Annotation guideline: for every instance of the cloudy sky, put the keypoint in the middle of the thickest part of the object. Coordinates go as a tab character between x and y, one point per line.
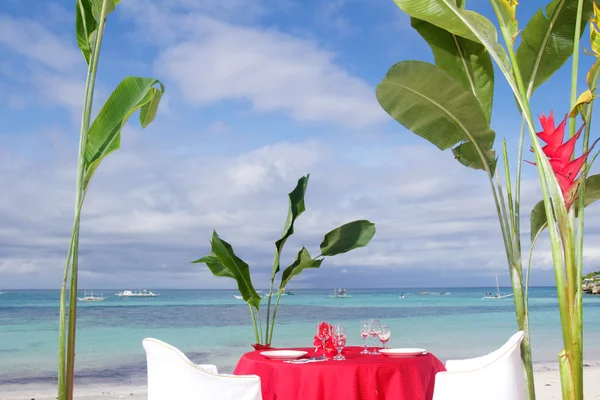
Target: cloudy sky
259	93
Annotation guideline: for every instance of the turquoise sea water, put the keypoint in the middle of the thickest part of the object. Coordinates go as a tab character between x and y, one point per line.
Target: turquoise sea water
211	326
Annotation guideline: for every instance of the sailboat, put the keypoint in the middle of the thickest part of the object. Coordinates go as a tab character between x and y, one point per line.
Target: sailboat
498	295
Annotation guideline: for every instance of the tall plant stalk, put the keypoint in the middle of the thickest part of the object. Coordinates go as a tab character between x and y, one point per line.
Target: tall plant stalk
440	92
67	359
97	139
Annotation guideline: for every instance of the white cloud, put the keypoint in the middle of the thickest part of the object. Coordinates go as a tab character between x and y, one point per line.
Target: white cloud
212	61
150	211
30	39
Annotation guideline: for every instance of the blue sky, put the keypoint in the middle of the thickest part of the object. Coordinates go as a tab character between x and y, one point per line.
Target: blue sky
259	93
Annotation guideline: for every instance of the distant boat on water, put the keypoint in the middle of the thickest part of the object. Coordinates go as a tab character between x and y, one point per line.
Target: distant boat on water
136	293
339	294
498	295
402	296
260	293
91	297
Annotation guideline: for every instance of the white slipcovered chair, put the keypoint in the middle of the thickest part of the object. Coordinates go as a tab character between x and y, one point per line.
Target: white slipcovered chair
172	376
499	375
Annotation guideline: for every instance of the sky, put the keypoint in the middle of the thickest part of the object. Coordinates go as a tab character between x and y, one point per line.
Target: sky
258	94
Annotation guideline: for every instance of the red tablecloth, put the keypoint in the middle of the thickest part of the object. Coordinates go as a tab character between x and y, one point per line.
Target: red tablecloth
359	377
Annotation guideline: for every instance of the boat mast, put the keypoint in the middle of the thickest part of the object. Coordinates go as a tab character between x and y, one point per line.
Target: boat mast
497	286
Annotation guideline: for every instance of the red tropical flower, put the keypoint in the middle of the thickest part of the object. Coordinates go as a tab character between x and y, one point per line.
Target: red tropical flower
560	154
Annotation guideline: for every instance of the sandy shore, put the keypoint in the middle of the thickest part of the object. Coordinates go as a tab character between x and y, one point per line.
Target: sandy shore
547	387
547	381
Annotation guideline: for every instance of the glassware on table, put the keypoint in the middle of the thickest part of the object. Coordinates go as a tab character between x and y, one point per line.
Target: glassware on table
323	334
374	330
339	342
364	333
384	335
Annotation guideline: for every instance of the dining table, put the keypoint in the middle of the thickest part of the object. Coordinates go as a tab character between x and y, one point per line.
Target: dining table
358	377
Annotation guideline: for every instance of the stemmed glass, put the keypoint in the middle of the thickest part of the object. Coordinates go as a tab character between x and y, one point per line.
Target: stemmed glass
384	335
374	330
364	333
323	333
339	341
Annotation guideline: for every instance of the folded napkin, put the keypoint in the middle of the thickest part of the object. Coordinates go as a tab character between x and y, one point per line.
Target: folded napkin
329	349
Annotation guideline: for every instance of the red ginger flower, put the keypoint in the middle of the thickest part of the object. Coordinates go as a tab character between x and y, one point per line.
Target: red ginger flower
559	155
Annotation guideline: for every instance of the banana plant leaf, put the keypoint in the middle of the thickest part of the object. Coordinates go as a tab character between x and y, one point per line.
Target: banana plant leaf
432	104
467	61
547	40
215	266
347	237
539	222
85	27
296	207
104	136
223	262
303	261
449	16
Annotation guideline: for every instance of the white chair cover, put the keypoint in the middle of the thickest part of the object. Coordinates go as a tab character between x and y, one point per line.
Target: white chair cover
499	375
172	376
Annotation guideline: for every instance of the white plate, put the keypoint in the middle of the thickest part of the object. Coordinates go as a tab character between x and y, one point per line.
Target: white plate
402	353
283	354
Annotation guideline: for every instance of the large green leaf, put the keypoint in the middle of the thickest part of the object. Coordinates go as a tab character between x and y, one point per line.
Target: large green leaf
303	261
296	207
538	221
215	266
347	237
85	27
104	136
467	61
547	41
432	104
450	17
224	262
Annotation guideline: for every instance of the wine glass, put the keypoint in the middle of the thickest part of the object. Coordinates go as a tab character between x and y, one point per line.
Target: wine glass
324	333
384	335
339	342
374	329
364	333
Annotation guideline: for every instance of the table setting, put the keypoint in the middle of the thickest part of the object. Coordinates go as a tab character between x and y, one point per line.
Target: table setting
333	370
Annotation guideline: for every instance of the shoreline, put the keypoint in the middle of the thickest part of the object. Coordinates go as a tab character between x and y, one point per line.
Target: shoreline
547	386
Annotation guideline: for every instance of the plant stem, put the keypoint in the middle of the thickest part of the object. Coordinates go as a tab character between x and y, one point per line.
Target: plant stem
270	338
578	317
575	65
269	305
67	390
254	323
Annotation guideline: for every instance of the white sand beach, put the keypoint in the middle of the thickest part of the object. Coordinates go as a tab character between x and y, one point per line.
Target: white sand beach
547	385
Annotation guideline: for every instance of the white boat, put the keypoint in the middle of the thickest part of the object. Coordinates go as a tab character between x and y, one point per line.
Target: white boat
136	293
339	294
498	295
402	296
91	297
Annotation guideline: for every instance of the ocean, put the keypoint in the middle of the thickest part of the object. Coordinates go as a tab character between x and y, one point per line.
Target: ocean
211	326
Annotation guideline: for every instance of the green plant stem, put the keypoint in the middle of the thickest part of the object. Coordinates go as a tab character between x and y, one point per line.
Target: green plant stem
509	194
580	220
270	338
260	325
577	235
575	67
269	306
67	392
254	323
518	184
